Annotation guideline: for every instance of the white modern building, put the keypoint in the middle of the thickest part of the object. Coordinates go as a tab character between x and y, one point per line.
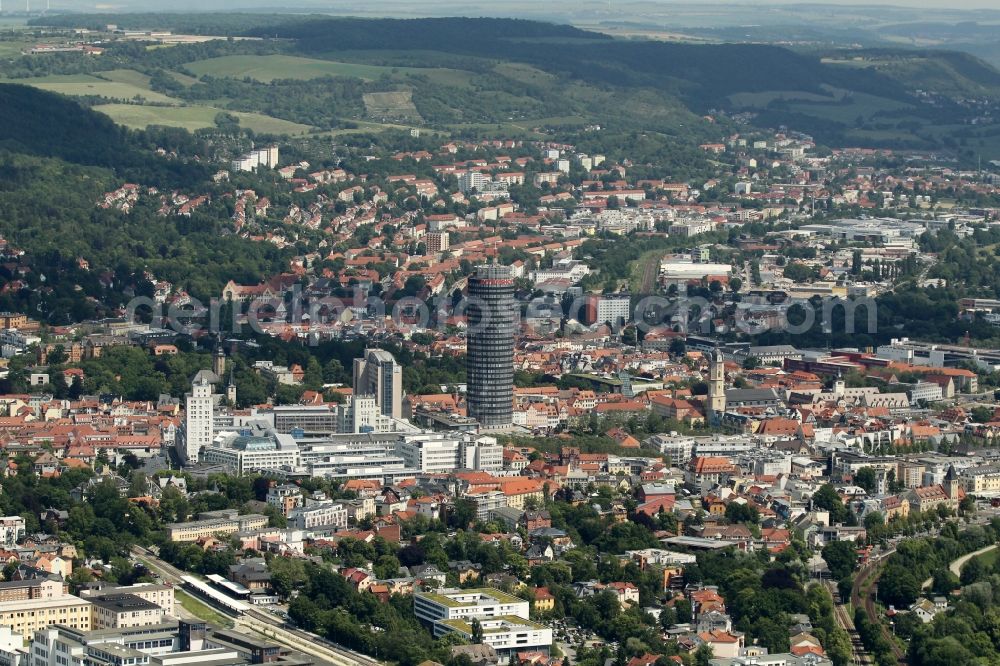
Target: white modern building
472	180
614	308
11	530
161	595
455	604
679	448
309	419
674	271
326	514
507	635
378	374
564	269
265	157
257	448
433	452
361	413
198	430
501	616
369	455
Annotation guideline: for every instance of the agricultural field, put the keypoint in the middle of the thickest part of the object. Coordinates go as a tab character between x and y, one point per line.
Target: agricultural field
119	85
760	100
525	73
365	127
268	68
391	105
194	117
12	47
951	74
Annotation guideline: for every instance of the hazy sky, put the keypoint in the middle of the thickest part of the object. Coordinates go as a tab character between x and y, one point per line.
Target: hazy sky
499	4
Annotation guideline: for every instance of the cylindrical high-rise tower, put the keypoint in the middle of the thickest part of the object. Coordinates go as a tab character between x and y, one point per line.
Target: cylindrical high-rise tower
490	355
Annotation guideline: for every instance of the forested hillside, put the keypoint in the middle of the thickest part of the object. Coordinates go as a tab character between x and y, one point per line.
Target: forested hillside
56	160
466	75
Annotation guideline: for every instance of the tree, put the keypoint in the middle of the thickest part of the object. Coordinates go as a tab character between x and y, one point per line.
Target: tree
874	519
973	571
826	498
840	557
737	512
866	478
798	272
751	363
981	414
898	585
477	631
944	582
57	356
463	513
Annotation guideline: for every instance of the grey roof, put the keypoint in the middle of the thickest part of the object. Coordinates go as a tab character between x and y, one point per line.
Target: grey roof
206	375
751	395
772	349
123	603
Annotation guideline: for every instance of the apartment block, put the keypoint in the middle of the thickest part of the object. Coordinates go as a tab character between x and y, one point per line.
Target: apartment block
216	523
28	616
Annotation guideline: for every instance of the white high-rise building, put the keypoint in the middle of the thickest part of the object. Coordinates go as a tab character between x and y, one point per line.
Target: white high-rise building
482	453
472	180
271	159
614	308
377	374
199	429
264	157
361	414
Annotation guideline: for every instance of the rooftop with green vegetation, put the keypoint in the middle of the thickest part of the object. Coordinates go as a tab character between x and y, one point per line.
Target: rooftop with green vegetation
448	597
503	623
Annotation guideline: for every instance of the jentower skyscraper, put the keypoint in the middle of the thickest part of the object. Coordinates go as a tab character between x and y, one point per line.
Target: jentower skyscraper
490	357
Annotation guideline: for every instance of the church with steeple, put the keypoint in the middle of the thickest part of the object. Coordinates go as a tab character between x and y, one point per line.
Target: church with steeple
715	402
949	493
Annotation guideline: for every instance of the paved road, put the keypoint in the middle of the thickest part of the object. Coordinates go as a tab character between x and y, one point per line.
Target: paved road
263	623
956	566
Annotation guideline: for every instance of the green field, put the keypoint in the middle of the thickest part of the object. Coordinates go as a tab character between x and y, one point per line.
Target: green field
365	127
271	67
645	271
989	559
525	73
183	79
760	100
10	48
391	104
194	117
129	85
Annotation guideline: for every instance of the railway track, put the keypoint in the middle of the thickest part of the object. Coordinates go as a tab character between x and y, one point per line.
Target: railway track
859	656
263	623
867	577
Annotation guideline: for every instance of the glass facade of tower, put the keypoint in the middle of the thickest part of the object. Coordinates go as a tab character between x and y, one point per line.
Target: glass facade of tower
492	317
